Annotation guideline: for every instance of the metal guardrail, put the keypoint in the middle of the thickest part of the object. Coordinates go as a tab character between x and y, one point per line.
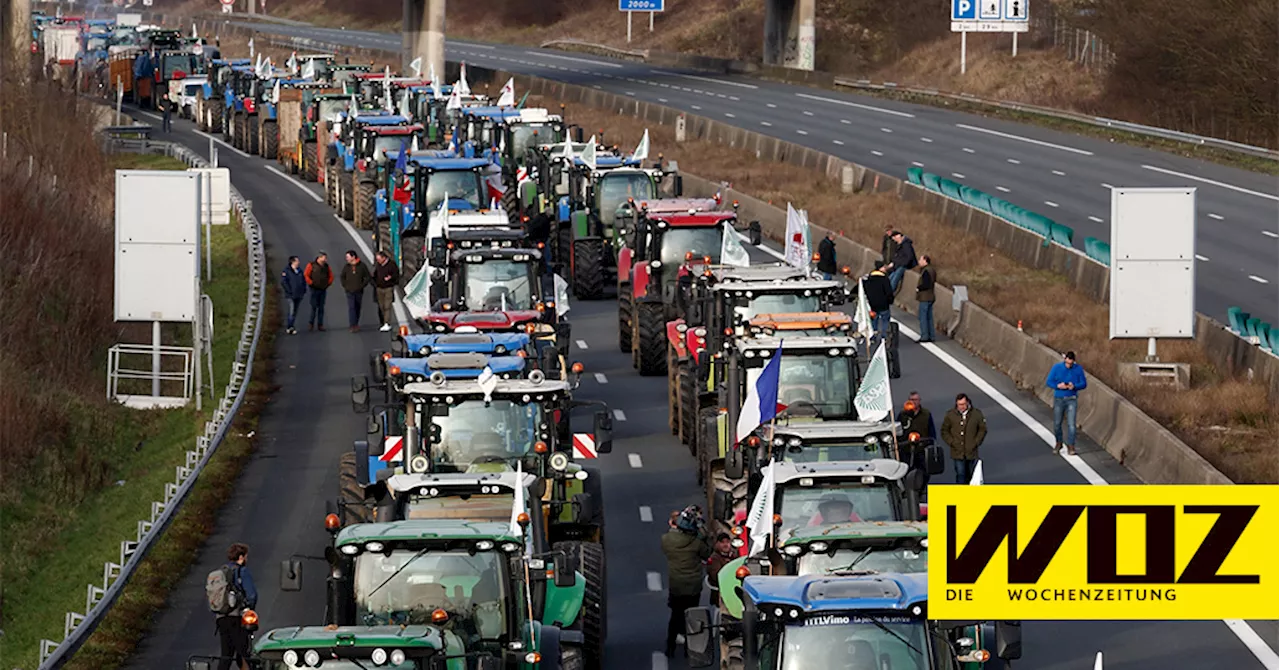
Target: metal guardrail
77	627
626	54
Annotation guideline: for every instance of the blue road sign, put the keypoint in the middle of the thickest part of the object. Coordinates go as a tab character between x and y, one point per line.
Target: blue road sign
644	5
1015	10
961	10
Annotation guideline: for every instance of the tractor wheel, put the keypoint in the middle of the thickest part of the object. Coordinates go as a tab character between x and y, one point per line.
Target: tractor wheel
366	212
673	389
330	193
309	161
347	183
202	118
571	658
624	318
688	412
708	446
270	140
215	118
589	559
511	204
651	329
228	125
233	130
351	492
731	654
717	481
588	269
254	136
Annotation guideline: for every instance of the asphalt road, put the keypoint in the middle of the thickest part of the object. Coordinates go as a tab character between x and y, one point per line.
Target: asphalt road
1063	176
279	503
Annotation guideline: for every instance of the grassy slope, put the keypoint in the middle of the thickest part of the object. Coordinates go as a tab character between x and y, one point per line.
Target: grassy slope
62	547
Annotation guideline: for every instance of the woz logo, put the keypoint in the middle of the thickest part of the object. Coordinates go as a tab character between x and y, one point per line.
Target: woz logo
1116	552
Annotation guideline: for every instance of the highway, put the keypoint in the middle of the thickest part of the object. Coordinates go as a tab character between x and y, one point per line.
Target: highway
1060	175
279	502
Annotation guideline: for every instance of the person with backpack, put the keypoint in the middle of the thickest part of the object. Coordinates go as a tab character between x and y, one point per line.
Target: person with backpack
230	592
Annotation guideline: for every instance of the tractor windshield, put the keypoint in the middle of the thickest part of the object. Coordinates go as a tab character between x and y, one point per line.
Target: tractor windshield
472	433
459	185
676	242
779	303
842	450
903	560
824	504
613	189
187	64
470	588
330	109
525	137
499	284
95	43
383	143
810	384
851	642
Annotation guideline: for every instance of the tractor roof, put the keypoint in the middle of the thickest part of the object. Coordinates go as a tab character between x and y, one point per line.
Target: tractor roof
495	234
493	112
355	67
497	343
817	593
767	323
825	431
380	120
394	155
694	220
756	273
497	482
610	163
659	206
418	529
468	388
325	639
765	285
797	344
436	164
394	131
483	254
785	472
456	365
854	530
485	321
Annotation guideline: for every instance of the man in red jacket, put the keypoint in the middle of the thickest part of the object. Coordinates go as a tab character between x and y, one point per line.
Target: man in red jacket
319	277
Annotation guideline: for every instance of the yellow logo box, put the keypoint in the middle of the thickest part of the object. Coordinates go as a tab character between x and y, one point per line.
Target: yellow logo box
1103	552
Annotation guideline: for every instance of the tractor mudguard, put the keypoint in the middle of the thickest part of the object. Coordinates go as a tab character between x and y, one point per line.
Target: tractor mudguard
528	191
580	223
564	603
639	280
624	262
727	581
675	338
348	161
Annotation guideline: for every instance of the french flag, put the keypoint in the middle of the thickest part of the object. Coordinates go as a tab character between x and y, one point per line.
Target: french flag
761	405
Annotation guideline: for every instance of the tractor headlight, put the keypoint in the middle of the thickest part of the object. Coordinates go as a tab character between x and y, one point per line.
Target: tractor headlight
350	549
559	461
373	547
378	656
870	439
397	657
500	350
484	545
313	657
793	550
655	264
509	547
580	475
817	547
291	658
748	354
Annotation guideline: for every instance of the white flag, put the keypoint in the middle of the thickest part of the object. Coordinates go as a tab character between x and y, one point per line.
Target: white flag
386	90
355	106
589	154
874	401
405	110
455	99
508	96
731	249
562	295
417	294
977	475
251	47
760	517
642	151
414	148
568	148
275	93
435	83
1097	661
797	239
194	34
862	314
292	63
416	66
487	381
517	506
436	225
461	87
257	65
309	70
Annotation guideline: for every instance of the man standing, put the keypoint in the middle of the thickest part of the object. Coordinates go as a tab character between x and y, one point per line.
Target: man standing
887	246
319	277
166	106
355	277
916	418
879	299
687	549
231	633
925	297
386	277
827	256
904	258
1066	379
722	553
295	289
963	429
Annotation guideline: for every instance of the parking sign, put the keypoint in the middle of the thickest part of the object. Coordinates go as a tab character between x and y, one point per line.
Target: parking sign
964	10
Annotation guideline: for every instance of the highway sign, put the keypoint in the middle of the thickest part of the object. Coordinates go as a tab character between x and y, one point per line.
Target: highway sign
1015	10
990	16
990	27
964	10
642	5
989	10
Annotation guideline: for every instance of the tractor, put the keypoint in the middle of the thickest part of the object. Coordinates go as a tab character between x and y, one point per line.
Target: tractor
296	143
374	144
856	621
279	119
240	126
209	100
320	112
425	646
343	75
349	153
456	183
489	270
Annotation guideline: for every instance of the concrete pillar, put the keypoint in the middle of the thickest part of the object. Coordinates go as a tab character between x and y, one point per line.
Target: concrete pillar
805	54
424	35
17	39
789	33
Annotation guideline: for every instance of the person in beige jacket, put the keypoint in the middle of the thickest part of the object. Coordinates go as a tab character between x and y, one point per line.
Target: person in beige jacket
963	429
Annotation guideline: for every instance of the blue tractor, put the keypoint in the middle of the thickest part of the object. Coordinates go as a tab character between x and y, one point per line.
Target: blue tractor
429	182
210	103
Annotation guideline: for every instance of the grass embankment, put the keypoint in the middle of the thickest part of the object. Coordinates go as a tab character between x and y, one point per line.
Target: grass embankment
1227	420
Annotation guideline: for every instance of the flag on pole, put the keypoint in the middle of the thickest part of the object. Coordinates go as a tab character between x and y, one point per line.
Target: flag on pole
405	110
355	106
461	87
275	93
455	98
761	405
487	381
568	148
589	153
386	90
417	294
309	70
292	63
862	314
507	98
257	64
415	143
251	47
977	475
194	34
642	151
874	401
416	66
731	249
562	295
517	506
797	239
760	516
402	161
435	83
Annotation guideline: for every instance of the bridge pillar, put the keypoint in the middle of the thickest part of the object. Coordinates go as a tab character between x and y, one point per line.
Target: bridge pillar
789	34
423	35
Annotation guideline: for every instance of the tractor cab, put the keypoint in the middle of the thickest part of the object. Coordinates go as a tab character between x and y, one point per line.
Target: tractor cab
343	75
436	188
426	646
316	67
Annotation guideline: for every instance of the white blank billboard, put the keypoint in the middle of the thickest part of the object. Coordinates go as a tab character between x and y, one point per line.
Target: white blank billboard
1153	256
216	196
157	245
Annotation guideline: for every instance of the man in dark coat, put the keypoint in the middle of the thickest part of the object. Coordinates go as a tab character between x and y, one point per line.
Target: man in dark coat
319	277
916	418
295	289
386	277
887	246
827	256
687	549
925	296
963	429
879	299
355	277
904	258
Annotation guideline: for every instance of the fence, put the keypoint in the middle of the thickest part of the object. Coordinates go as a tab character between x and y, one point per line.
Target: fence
98	599
1081	46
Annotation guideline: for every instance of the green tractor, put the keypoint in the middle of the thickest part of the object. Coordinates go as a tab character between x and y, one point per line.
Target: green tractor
415	647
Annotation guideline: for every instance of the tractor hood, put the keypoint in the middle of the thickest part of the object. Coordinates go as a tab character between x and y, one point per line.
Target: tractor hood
443	322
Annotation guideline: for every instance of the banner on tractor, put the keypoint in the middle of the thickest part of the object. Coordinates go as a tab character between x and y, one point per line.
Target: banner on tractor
1131	553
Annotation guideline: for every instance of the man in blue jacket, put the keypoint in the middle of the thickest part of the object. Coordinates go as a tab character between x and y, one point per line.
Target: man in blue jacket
234	638
295	289
1066	379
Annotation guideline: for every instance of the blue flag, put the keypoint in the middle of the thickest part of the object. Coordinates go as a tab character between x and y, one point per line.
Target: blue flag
761	405
402	161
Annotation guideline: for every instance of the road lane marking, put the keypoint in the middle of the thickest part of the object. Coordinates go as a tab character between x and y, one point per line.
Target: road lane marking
730	115
1202	258
847	103
766	124
735	98
224	144
1212	182
646	514
601	379
1028	140
1217	217
968	150
1013	160
1258	279
925	139
157	117
630	93
837	142
1095	219
1050	203
1002	189
654	581
576	60
917	164
302	187
1268	233
1254	642
662	99
847	122
363	246
696	107
802	132
957	175
582	344
619	415
635	461
876	153
808	113
709	80
886	130
1060	173
1106	185
770	105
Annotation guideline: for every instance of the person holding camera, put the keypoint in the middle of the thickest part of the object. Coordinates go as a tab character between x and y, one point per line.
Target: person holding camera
687	549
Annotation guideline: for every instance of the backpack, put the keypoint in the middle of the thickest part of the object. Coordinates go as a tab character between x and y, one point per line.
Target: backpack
223	591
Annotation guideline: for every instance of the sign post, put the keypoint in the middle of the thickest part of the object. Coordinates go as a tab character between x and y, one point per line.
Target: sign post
988	16
633	6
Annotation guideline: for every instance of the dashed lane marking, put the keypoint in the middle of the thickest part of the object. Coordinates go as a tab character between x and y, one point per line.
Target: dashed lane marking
582	344
1268	233
837	142
957	175
576	60
968	150
917	164
646	514
766	124
1258	279
1217	217
847	103
302	187
635	461
619	415
925	139
1013	160
1002	189
1028	140
1050	203
1060	173
886	130
876	153
1232	187
1095	219
653	580
601	379
1202	258
802	132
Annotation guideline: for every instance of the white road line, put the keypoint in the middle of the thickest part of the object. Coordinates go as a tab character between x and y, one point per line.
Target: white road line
224	144
1060	173
302	187
630	93
1095	219
1215	216
401	313
846	103
846	122
1028	140
886	130
659	661
635	461
1106	185
1254	642
1013	160
696	107
662	99
730	115
646	514
582	344
157	117
1258	279
654	580
837	142
1268	233
1202	258
1212	182
735	98
619	415
1050	203
601	379
473	46
925	139
876	153
802	132
576	60
968	150
808	113
957	175
1002	189
766	124
596	86
917	164
709	80
770	105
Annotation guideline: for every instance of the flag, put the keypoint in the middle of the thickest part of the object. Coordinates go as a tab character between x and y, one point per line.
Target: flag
405	111
761	405
507	98
1097	661
731	249
436	225
402	161
415	143
292	63
487	381
568	148
862	314
386	90
416	66
642	151
194	34
275	93
455	98
257	64
589	154
461	87
355	106
977	475
797	239
251	47
417	294
309	70
760	516
435	83
562	295
517	505
874	401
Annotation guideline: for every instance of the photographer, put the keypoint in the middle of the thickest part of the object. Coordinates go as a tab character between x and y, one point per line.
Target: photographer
687	549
